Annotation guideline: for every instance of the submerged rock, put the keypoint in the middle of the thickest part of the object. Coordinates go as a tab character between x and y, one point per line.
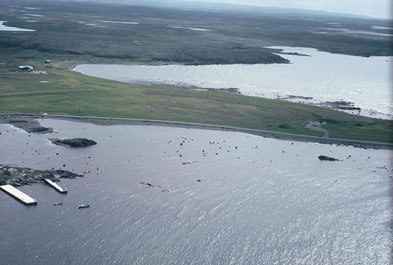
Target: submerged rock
74	142
326	158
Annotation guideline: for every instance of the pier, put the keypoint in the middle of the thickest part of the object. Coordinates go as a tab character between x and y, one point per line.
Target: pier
55	186
18	195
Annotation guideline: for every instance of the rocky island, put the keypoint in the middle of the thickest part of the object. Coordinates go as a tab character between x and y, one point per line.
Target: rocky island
74	142
17	176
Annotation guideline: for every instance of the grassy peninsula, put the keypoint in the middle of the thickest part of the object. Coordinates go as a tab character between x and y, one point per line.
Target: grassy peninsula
74	94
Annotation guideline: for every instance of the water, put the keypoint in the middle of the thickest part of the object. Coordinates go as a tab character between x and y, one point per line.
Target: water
361	32
7	28
382	27
120	22
254	205
193	29
322	76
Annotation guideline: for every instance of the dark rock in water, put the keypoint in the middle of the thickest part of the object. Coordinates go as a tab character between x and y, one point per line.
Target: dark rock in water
39	130
65	174
326	158
74	142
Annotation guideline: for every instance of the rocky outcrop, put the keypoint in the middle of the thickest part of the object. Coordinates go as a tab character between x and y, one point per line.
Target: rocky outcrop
28	124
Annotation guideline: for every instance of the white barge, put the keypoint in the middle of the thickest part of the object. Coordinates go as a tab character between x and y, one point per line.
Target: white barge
55	186
18	195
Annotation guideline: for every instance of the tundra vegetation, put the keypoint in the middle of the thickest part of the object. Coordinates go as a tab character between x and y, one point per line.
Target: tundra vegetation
67	34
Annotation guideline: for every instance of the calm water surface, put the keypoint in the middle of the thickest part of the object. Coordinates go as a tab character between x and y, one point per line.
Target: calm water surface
259	201
321	75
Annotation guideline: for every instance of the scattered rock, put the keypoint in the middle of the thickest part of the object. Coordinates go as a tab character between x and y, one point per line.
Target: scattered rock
189	162
152	186
297	97
343	105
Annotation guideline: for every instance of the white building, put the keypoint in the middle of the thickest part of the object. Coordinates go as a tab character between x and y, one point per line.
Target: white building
26	68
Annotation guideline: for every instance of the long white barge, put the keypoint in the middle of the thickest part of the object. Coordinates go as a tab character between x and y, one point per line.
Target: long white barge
55	186
18	195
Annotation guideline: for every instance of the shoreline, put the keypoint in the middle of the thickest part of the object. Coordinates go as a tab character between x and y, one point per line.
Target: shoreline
337	104
113	121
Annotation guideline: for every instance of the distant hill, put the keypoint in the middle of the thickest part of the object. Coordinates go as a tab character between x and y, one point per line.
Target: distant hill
224	7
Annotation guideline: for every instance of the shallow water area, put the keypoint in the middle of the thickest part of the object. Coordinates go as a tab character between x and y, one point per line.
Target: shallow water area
322	77
257	201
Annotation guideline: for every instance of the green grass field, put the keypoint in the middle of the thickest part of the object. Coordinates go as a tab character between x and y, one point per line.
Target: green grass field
74	94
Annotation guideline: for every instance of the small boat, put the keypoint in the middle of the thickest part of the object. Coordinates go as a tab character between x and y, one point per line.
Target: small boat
58	203
83	206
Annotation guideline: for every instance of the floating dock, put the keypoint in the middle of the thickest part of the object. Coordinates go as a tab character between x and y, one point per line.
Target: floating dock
55	186
18	195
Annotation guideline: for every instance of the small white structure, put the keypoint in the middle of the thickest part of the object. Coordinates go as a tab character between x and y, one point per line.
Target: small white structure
316	123
27	68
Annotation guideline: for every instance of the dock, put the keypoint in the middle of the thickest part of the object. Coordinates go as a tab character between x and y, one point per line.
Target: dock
55	186
18	195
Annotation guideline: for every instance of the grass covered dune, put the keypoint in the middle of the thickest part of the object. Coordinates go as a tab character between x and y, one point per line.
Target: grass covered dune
71	93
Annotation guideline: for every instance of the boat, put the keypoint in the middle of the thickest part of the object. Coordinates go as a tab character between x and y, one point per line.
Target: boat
58	203
83	206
